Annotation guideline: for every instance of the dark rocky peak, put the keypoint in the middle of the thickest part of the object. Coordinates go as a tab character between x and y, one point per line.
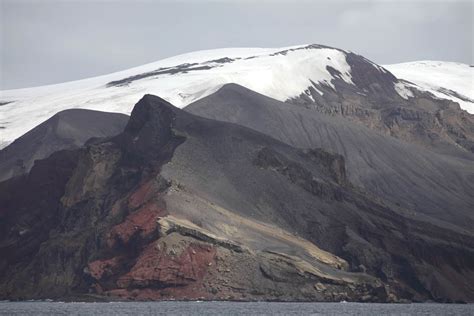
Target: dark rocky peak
150	127
229	96
371	77
372	88
234	90
150	112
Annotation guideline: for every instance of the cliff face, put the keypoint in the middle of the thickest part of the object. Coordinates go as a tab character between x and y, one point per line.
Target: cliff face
182	207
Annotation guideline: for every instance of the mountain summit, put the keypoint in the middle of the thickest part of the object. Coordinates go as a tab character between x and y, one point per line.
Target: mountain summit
307	73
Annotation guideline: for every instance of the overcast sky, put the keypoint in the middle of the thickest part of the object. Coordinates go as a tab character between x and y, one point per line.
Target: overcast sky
44	42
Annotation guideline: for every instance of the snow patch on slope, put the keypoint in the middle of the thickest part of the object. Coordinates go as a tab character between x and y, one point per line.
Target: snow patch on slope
403	90
280	73
441	79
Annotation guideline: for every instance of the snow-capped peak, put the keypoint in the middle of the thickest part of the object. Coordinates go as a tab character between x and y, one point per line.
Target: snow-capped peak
280	73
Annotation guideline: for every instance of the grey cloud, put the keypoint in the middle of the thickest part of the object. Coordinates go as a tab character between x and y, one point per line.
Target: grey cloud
45	42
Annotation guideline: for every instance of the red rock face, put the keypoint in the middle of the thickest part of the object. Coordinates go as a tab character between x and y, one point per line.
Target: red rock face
143	219
146	192
142	222
159	270
156	267
100	268
158	273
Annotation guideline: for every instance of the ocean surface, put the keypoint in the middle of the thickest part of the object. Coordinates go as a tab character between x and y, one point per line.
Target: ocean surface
229	308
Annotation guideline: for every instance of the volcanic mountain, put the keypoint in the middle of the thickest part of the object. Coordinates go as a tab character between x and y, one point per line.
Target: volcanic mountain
298	174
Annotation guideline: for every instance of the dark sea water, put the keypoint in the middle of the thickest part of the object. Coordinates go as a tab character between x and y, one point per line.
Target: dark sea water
229	308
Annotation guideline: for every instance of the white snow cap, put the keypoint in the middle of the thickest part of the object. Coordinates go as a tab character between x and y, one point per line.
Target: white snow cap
437	77
280	73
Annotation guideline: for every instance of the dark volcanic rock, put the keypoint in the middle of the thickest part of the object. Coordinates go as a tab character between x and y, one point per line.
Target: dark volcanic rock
30	209
68	129
182	207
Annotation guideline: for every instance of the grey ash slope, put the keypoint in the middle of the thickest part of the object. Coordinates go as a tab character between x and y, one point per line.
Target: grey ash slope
412	176
65	130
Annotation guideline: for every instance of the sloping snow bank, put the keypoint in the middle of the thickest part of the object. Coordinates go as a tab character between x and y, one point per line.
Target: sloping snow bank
437	77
